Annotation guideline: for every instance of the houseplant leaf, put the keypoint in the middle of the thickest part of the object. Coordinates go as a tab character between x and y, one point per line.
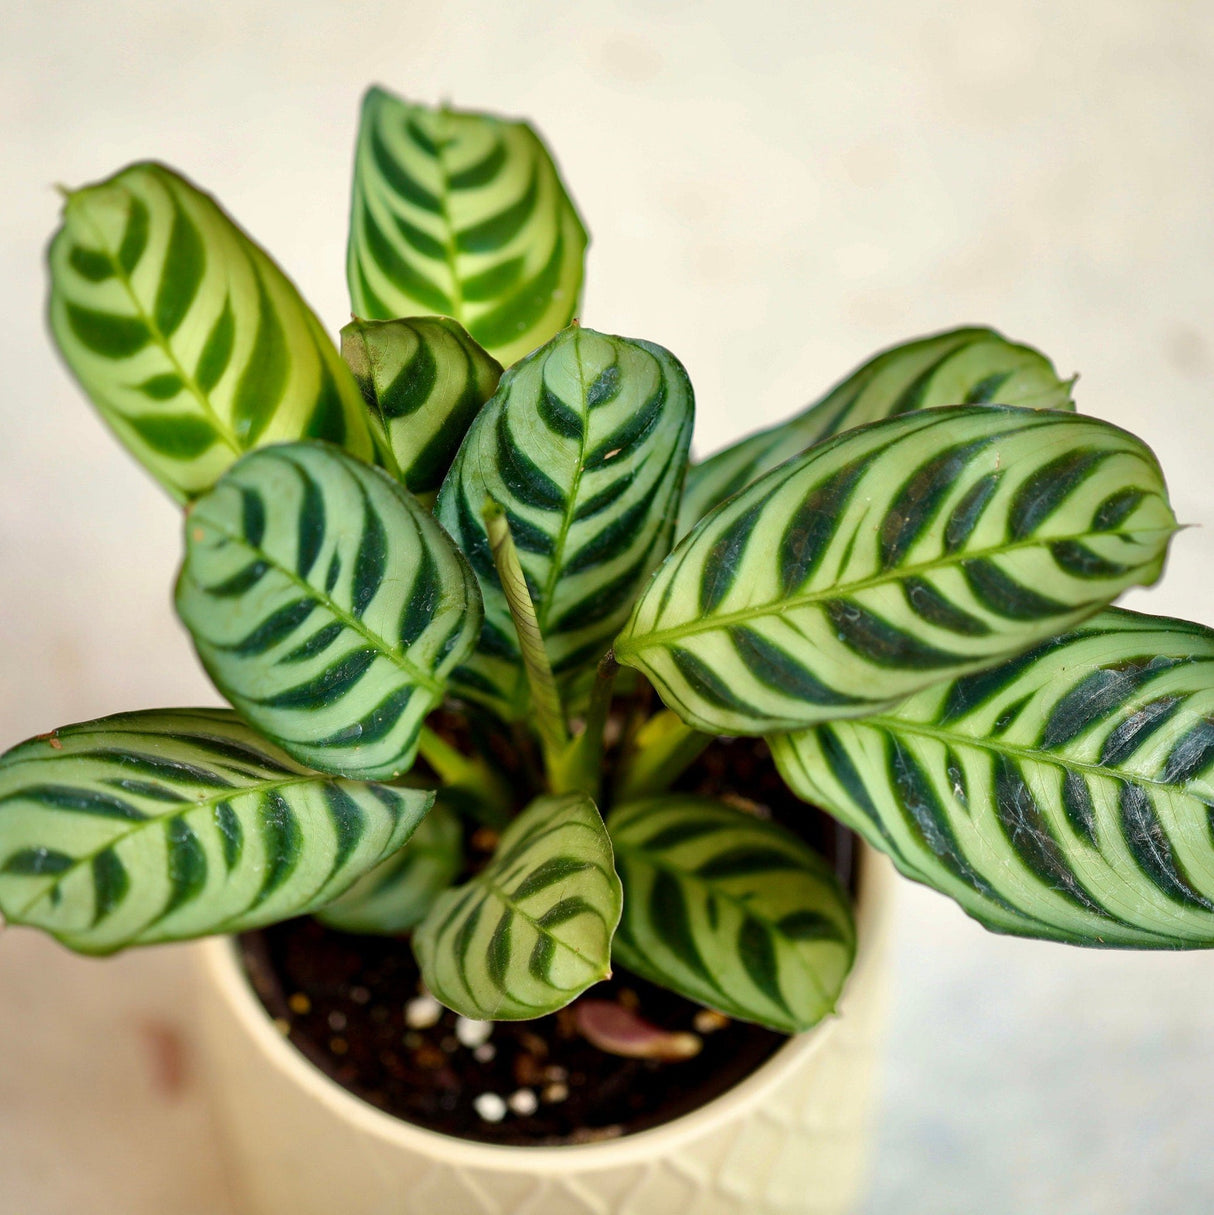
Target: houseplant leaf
584	446
424	379
191	342
533	929
158	826
398	892
892	557
326	605
970	366
731	911
1065	794
463	215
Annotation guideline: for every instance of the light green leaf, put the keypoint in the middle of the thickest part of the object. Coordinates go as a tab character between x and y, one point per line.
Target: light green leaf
159	826
730	911
533	929
462	215
892	557
584	446
397	893
326	605
960	367
191	342
424	380
1065	794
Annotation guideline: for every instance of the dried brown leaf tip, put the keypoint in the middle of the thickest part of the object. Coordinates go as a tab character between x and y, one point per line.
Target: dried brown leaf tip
623	1031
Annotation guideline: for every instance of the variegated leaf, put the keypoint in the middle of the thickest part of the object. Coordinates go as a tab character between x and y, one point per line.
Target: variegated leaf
191	342
894	556
969	366
1065	794
584	446
463	215
159	826
424	379
730	911
533	929
398	893
326	605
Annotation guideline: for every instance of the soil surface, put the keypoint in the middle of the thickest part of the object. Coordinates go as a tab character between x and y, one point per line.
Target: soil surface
355	1006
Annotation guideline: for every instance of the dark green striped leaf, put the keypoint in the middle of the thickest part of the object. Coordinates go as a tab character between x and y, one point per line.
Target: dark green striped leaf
730	911
397	894
584	446
533	929
891	557
960	367
326	605
424	380
191	342
1065	794
160	826
463	215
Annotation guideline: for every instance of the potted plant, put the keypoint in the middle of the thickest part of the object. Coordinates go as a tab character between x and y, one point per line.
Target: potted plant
511	678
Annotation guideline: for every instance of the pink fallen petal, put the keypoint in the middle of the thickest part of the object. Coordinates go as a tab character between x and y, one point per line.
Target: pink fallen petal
620	1031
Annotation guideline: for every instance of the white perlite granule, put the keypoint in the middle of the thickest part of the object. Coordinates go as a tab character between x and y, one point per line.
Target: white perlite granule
472	1033
490	1107
423	1012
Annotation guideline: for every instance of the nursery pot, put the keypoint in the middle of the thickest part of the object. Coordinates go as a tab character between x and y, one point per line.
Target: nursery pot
790	1138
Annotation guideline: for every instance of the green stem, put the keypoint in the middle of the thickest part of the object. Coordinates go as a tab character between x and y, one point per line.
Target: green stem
469	773
664	748
581	768
545	699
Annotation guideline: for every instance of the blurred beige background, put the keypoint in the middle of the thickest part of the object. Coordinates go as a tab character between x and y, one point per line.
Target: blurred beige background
774	190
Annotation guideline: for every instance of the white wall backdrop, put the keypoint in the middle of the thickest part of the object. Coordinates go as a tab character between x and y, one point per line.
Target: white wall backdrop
774	190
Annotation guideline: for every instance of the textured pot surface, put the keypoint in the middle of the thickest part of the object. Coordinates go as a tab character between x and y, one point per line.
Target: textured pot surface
789	1140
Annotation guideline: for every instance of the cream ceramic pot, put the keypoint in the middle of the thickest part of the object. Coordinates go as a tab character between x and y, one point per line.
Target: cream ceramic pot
788	1140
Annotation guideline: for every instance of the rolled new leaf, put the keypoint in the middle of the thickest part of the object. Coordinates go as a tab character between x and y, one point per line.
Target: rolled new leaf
533	929
730	911
584	447
326	605
895	556
423	380
191	342
1065	794
462	215
159	826
970	366
398	893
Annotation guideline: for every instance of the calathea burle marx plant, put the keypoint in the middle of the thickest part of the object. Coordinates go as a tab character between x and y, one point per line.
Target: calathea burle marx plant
438	593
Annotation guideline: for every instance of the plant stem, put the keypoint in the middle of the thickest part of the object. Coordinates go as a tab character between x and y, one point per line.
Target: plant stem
545	699
665	747
470	773
581	766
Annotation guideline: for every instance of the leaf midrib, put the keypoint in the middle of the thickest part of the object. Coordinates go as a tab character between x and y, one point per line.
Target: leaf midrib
379	644
225	431
184	808
712	623
638	851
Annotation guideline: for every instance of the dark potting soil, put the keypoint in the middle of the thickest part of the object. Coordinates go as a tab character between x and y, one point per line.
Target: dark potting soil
355	1007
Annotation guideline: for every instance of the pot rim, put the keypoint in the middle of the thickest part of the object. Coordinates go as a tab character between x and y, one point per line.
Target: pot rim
218	961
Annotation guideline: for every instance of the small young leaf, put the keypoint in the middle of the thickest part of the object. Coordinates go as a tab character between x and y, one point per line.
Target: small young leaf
160	826
584	446
894	556
463	215
424	380
731	911
960	367
1065	794
533	929
396	894
191	342
326	605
